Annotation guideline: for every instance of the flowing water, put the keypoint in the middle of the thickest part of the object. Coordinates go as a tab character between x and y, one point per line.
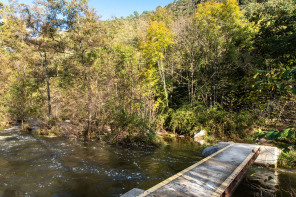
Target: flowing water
32	166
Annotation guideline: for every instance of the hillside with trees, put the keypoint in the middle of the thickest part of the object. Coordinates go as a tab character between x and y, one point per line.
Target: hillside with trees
224	66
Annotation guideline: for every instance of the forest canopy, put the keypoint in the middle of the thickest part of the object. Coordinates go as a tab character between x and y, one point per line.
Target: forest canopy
225	66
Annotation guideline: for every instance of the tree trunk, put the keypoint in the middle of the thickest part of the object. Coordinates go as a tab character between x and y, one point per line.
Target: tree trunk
48	86
44	65
192	85
162	75
89	94
88	106
24	97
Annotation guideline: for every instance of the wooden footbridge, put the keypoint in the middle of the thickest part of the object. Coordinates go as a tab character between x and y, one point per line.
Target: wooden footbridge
216	175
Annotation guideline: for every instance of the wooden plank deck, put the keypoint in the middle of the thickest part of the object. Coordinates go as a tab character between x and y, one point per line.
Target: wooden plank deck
216	175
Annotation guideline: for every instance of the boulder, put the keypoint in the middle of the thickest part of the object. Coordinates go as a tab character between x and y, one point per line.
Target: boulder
222	145
200	141
210	150
200	134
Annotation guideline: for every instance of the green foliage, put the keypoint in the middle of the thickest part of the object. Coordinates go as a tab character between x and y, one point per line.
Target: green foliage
157	41
275	41
276	51
154	46
26	100
282	79
162	15
285	140
288	159
183	8
216	121
129	128
222	123
287	136
131	72
184	121
213	54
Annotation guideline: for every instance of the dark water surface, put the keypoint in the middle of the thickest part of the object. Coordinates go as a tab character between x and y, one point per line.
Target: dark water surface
32	166
268	183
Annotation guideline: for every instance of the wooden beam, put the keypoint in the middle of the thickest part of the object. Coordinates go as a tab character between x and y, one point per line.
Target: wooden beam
228	187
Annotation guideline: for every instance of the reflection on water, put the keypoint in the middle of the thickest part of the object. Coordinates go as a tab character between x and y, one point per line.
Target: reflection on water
268	183
31	166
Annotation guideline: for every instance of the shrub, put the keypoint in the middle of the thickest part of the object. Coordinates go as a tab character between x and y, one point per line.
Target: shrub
288	159
216	121
184	121
130	128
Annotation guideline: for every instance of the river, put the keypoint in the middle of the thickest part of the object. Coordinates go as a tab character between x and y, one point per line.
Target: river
33	166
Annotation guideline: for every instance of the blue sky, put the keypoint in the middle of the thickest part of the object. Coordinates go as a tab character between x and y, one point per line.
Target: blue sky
118	8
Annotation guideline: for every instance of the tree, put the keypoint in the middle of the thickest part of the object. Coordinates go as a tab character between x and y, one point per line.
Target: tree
85	38
275	45
154	45
43	25
21	96
223	39
275	51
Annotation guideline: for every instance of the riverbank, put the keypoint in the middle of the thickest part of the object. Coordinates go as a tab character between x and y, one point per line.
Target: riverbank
67	129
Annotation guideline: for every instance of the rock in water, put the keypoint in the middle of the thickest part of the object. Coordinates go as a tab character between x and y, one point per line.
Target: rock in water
201	142
4	137
209	150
